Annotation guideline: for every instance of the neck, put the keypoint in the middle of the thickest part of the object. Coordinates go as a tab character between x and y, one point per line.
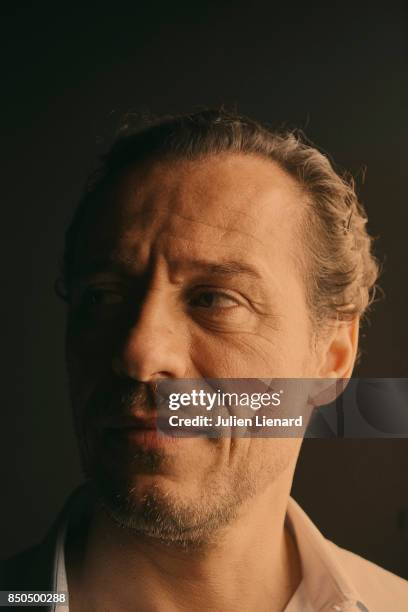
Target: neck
253	566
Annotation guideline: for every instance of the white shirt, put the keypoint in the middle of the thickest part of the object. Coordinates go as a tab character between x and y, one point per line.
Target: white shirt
333	579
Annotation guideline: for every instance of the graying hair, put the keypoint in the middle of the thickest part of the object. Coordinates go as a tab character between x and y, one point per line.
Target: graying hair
340	268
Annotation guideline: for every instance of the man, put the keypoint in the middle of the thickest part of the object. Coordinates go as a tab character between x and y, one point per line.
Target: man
206	247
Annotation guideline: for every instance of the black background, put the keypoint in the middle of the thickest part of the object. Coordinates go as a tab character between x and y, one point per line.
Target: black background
69	71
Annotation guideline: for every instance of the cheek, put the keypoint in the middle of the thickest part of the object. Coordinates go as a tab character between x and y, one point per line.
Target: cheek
89	361
296	351
93	338
280	353
278	455
263	460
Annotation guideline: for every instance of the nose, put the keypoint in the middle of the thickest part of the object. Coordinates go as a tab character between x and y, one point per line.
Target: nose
154	345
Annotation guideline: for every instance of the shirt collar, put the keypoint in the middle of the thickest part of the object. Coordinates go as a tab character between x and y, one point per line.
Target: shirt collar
325	585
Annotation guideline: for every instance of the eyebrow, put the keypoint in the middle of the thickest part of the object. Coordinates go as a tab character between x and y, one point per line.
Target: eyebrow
99	265
125	267
225	268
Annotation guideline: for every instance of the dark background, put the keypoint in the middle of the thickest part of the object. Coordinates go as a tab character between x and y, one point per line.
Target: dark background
68	73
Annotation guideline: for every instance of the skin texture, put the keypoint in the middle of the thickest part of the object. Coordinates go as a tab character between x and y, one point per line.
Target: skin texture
205	518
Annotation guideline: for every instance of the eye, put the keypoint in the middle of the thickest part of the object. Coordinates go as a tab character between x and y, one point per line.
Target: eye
99	297
213	299
103	296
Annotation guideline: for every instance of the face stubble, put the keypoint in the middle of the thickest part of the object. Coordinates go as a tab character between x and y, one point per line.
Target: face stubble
171	519
169	513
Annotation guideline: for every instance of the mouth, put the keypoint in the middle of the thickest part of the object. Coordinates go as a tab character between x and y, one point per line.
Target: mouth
131	431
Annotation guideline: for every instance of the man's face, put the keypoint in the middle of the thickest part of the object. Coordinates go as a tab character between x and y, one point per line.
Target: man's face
188	270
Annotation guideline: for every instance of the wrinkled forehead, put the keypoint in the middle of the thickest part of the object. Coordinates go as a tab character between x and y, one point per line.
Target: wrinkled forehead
227	204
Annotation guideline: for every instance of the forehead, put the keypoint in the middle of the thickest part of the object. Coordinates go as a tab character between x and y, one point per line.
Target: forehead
228	205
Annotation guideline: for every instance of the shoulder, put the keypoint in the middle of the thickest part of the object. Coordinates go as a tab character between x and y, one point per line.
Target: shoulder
334	573
380	590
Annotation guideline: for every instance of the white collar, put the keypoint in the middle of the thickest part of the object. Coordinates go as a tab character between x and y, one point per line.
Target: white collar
324	585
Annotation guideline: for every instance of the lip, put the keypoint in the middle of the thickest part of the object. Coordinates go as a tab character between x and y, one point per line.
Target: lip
146	438
131	431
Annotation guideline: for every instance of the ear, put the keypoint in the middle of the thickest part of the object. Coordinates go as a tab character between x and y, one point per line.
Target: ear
339	350
337	353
